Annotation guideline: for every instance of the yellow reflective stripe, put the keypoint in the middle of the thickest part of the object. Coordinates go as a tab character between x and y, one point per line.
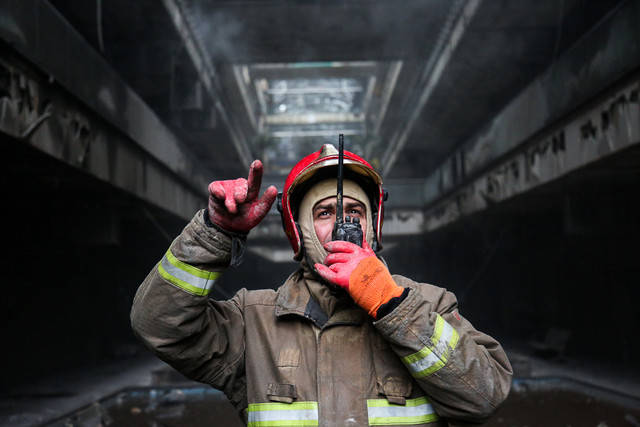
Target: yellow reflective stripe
185	276
282	414
423	363
430	359
384	402
437	331
415	411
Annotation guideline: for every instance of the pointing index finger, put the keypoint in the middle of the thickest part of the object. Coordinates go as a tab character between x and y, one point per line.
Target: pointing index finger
255	180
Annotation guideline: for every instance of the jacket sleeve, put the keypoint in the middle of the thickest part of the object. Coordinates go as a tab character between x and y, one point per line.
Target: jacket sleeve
465	373
174	317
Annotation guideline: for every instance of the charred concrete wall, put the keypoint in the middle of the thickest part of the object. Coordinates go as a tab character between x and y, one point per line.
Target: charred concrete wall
564	258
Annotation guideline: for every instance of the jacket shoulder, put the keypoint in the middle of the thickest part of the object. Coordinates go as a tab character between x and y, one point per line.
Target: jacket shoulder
256	297
443	299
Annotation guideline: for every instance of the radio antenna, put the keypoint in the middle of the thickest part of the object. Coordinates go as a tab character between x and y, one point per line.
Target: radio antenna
339	214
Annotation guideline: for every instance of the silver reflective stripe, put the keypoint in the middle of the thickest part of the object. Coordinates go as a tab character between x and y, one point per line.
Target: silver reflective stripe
431	358
282	414
186	276
426	360
416	411
442	343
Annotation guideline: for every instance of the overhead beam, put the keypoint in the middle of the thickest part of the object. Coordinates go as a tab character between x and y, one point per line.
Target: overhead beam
583	109
179	12
82	113
453	31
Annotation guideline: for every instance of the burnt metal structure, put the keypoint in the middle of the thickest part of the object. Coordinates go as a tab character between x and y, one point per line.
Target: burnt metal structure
507	134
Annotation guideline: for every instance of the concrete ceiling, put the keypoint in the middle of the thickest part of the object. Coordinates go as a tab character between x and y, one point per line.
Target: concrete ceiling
438	70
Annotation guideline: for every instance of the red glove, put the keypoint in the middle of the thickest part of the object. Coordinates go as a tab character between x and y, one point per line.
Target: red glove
234	205
360	273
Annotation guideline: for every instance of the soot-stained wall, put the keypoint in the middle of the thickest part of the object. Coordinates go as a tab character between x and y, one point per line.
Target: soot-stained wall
564	257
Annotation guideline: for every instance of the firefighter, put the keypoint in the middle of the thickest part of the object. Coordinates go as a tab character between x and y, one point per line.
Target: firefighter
342	342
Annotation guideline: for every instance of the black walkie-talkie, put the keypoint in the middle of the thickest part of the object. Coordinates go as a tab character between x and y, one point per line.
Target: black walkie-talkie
344	229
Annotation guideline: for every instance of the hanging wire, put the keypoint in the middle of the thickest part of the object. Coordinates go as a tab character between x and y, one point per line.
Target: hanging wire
99	25
462	295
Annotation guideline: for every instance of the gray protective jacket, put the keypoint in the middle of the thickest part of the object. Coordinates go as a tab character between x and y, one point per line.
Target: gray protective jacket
282	361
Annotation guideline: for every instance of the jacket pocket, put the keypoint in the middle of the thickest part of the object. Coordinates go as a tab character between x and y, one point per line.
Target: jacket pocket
289	358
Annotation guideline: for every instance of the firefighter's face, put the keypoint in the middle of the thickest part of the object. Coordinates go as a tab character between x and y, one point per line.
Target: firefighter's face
324	215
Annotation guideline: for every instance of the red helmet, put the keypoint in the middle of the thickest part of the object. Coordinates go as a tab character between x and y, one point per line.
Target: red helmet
321	165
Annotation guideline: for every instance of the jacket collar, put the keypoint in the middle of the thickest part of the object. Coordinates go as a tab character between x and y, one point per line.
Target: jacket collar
294	298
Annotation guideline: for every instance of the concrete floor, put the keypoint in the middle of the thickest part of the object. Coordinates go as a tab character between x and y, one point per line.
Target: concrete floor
51	399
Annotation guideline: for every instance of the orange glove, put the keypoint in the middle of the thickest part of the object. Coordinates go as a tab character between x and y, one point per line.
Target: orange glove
360	273
234	205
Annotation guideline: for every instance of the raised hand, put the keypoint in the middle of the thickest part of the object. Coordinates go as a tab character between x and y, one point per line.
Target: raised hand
234	204
359	272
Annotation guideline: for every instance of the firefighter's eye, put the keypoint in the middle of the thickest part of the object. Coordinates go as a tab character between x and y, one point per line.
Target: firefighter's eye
323	213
